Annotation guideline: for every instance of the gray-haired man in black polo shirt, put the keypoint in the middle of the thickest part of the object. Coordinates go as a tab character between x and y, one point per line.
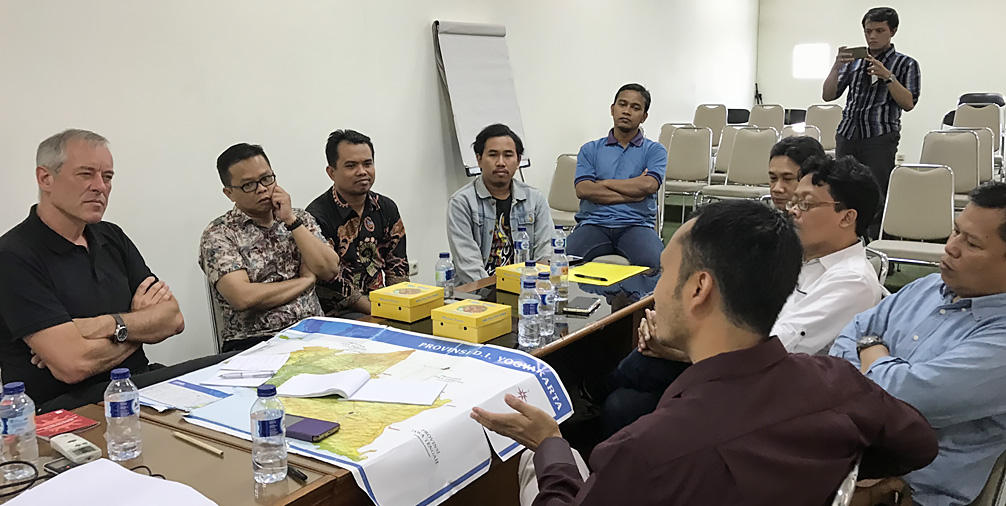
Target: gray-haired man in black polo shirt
881	85
76	297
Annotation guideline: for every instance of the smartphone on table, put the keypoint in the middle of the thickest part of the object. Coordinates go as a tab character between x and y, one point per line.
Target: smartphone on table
307	429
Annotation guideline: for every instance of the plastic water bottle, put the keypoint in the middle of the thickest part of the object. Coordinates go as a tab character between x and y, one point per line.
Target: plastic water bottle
559	238
529	272
527	326
17	413
122	416
559	270
546	306
522	245
445	274
268	436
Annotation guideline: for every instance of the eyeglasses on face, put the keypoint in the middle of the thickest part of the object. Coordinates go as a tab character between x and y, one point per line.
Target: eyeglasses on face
805	206
251	186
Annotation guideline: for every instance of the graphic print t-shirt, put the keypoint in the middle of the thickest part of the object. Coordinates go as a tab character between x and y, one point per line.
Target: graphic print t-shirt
502	250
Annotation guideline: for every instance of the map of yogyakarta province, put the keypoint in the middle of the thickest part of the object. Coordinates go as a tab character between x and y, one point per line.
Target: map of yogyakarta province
361	422
397	453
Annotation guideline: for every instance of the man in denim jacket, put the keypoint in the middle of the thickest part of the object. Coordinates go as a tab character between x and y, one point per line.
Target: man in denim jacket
483	216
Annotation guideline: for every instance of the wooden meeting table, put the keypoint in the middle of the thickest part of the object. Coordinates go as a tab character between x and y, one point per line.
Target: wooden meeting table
582	346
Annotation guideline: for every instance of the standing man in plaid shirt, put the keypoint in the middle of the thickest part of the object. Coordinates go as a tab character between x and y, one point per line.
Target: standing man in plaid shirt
881	86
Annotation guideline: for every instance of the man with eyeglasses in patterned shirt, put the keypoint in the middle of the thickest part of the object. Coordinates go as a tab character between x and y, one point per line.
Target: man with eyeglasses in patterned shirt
262	257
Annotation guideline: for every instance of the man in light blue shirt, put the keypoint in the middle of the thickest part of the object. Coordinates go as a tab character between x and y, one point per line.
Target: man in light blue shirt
617	180
939	344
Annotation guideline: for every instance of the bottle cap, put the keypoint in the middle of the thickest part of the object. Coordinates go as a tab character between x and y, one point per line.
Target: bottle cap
120	373
544	275
13	388
445	255
529	263
528	283
561	251
559	227
266	390
521	229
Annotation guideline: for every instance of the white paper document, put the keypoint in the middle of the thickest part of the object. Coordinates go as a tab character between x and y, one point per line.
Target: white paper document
356	385
233	379
422	393
256	362
179	394
105	483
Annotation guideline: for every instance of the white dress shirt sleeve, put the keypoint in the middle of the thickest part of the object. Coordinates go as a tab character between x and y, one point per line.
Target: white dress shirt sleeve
809	324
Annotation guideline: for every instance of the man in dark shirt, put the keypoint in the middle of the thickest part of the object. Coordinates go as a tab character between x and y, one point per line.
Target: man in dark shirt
363	226
502	250
76	297
881	85
747	423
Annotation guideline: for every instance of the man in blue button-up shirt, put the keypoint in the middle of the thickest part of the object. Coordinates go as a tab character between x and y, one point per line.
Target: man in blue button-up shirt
940	345
617	180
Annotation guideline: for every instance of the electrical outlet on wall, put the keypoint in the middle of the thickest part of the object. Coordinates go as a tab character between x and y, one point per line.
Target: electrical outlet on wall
413	268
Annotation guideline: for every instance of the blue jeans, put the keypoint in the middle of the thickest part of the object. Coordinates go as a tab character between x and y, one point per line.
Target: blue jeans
639	244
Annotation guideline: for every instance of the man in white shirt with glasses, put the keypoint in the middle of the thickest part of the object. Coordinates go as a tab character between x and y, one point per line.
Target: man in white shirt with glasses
832	207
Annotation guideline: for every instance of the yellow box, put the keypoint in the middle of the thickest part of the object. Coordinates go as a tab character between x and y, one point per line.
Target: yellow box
474	321
508	276
406	302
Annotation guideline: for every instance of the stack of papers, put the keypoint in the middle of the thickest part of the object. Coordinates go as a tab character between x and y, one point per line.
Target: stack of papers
179	394
356	385
90	483
247	370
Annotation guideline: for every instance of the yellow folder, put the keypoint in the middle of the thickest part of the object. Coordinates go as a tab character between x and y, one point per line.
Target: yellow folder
596	273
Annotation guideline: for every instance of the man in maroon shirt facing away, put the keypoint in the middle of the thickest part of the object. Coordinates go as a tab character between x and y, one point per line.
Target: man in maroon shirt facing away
748	423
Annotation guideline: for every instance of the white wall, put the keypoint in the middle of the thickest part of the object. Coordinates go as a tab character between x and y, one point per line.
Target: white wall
172	84
957	48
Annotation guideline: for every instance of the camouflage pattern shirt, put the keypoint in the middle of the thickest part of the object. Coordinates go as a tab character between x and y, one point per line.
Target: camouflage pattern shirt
234	242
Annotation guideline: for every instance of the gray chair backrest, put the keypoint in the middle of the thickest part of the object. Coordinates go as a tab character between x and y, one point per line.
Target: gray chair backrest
986	152
749	157
957	149
920	202
726	148
666	130
825	117
982	98
216	317
808	131
981	115
660	210
767	116
878	259
713	116
843	496
688	154
993	494
562	194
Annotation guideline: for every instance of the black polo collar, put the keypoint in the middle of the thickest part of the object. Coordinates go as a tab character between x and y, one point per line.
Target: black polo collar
40	232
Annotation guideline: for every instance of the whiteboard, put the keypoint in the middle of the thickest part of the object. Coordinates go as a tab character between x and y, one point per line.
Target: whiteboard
474	67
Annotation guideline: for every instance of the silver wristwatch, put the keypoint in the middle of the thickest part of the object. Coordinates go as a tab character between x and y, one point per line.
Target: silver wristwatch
121	332
868	341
